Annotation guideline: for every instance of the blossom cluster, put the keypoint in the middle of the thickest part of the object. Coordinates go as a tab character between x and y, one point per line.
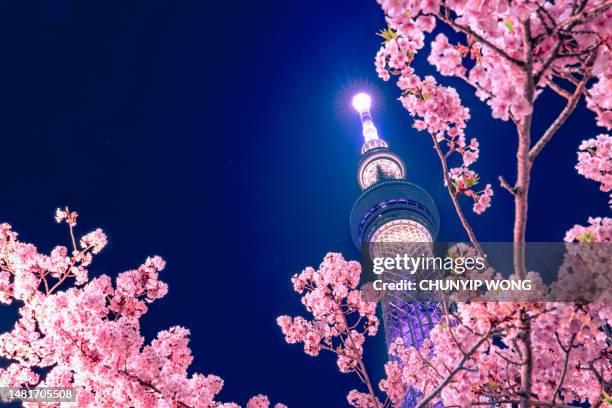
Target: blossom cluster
362	400
586	270
595	161
598	230
566	43
598	97
489	334
88	336
561	34
479	345
437	109
340	317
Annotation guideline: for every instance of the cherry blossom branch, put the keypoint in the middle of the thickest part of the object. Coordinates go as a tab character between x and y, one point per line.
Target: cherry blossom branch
123	372
520	202
567	350
571	22
468	31
506	185
558	89
587	15
74	245
527	368
554	53
428	362
567	74
66	274
607	389
426	400
605	385
597	374
453	196
366	378
152	387
557	123
523	163
509	361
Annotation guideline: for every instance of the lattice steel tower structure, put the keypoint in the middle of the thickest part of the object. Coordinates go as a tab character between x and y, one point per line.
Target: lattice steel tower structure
394	216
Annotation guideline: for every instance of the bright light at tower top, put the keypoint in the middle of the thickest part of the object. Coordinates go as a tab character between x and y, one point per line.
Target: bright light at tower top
362	102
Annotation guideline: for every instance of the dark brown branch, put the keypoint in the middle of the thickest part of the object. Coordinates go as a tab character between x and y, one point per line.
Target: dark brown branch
567	350
581	17
516	363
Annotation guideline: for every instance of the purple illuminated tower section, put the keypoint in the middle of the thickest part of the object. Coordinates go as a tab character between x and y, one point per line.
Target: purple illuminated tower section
394	216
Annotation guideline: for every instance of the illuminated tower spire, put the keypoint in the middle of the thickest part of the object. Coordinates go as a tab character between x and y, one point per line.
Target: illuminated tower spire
362	103
394	216
377	161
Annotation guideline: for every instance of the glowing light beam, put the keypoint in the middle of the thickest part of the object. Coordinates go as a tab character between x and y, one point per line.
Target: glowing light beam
362	103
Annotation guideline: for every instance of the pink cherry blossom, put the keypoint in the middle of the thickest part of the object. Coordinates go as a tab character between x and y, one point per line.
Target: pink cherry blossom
446	58
595	161
566	44
341	319
510	53
96	240
600	102
88	337
362	400
393	384
598	230
67	216
489	372
261	401
482	200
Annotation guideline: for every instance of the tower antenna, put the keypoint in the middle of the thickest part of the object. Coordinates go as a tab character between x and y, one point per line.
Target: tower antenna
362	103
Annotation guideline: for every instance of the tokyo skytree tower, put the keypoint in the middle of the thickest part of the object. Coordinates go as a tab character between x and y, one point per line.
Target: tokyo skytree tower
394	216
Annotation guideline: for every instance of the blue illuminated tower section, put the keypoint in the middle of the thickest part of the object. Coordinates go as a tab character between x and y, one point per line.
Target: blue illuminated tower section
394	216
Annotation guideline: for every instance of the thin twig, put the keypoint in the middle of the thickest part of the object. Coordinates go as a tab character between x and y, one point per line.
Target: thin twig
481	39
565	113
455	201
565	364
506	185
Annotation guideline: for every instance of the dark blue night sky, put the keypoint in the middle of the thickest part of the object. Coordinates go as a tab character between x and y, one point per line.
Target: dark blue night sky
220	136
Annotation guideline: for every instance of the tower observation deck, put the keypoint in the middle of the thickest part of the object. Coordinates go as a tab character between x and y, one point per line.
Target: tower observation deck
394	216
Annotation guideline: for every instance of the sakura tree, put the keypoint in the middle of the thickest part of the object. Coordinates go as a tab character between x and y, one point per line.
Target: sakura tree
82	332
550	354
476	355
341	319
511	52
